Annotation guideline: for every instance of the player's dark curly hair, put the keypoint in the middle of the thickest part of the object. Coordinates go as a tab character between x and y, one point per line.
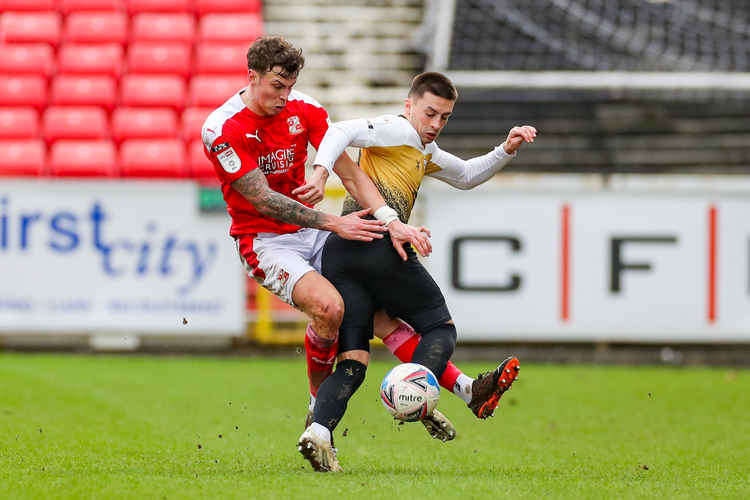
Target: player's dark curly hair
267	52
434	83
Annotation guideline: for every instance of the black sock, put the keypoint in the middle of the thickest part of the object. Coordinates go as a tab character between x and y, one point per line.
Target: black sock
436	348
335	391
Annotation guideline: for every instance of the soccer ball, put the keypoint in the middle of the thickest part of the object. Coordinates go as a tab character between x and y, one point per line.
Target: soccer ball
409	392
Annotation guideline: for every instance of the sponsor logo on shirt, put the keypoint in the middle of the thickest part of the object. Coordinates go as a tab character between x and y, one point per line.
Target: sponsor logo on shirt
295	127
255	136
229	160
220	147
277	162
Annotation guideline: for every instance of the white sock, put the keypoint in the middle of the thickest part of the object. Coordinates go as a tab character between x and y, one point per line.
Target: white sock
462	387
321	431
311	406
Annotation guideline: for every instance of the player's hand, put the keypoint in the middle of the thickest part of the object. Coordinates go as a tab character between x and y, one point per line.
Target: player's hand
354	227
517	136
314	189
402	233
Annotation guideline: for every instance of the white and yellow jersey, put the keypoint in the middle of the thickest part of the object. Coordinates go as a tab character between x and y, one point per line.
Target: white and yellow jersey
393	155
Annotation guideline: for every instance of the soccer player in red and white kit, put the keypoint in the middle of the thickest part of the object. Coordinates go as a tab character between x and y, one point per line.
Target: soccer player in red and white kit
257	141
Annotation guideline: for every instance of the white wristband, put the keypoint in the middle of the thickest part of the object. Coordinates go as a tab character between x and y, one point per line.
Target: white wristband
386	214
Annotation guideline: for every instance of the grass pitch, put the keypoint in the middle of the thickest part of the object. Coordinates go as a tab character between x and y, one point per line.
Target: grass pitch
75	426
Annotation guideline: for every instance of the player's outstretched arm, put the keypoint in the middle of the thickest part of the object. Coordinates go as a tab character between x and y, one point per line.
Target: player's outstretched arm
254	187
517	136
467	174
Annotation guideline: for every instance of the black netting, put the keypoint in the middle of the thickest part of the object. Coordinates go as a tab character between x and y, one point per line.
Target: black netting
627	35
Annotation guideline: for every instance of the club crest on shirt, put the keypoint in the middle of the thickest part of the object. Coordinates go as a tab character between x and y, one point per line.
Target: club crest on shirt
229	160
295	127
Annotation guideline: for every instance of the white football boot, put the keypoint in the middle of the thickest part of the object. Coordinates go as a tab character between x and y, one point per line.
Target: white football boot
439	427
318	451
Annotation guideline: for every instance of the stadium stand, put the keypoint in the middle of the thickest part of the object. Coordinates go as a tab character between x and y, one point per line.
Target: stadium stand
211	91
31	27
81	80
165	58
69	6
89	90
22	157
19	123
76	158
158	27
153	158
232	28
83	59
65	122
96	27
27	59
27	5
23	91
144	123
218	58
163	6
153	90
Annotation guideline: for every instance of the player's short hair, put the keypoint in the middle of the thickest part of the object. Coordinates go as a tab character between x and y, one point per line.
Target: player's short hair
267	52
435	83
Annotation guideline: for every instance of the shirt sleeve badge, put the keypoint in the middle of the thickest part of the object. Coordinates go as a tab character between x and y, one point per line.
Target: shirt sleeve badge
229	160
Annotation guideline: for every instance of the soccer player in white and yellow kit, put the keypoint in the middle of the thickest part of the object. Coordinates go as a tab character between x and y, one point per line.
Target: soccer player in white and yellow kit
396	153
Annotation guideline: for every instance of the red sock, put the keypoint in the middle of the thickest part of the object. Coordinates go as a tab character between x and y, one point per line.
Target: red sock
321	355
404	340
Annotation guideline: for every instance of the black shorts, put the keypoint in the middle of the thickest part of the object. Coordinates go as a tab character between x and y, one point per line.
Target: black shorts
371	276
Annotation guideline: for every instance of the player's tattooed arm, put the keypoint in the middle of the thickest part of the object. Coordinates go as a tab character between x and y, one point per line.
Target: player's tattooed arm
254	187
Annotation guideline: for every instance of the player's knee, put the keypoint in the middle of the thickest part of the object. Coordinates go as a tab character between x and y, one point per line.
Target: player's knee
359	355
330	311
443	337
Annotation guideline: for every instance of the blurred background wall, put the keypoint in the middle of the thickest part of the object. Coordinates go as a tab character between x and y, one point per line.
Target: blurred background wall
624	222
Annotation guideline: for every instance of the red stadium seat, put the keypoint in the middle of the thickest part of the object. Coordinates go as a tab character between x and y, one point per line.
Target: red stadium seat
143	123
192	122
153	158
23	91
96	27
27	5
19	123
149	57
39	27
22	157
98	59
64	122
200	166
68	6
208	6
212	91
230	28
27	59
137	6
152	91
94	90
218	58
83	159
163	28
